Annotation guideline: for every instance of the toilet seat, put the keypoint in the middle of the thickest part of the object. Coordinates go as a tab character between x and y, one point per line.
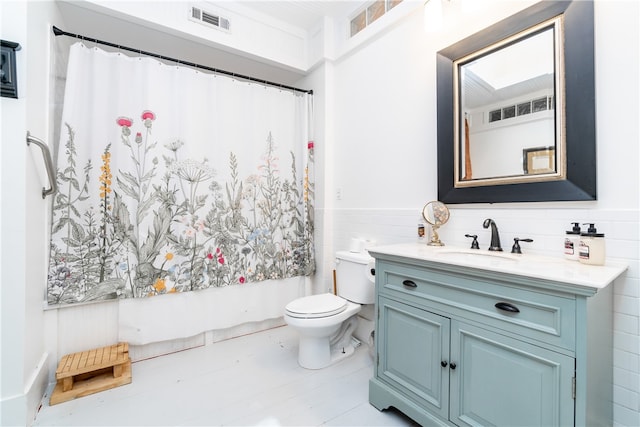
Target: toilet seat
316	306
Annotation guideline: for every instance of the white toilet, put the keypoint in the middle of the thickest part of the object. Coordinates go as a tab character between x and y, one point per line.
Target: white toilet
326	322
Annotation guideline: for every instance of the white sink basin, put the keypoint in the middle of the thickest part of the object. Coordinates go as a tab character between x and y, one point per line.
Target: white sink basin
478	255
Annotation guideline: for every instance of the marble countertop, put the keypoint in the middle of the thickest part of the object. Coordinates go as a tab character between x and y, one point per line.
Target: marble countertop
533	266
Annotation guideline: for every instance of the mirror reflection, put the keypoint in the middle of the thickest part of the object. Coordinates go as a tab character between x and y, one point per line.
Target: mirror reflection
509	110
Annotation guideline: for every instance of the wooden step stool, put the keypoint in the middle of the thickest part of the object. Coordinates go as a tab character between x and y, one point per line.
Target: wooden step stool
88	372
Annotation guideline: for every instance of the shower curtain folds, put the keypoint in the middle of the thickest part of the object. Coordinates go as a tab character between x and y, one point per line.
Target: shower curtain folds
174	180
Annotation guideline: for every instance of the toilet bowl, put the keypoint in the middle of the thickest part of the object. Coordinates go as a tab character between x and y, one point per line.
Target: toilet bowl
325	322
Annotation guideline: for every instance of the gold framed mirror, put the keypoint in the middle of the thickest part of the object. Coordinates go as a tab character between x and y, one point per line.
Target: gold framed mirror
489	129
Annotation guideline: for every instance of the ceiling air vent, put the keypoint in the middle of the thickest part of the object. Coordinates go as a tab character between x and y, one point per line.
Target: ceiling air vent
209	19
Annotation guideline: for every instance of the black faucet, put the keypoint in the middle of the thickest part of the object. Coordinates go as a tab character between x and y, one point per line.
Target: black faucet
495	237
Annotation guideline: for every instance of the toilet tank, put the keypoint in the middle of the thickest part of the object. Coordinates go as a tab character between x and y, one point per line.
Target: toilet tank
354	279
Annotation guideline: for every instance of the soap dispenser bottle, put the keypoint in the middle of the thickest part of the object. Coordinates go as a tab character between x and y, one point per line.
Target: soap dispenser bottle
572	242
592	247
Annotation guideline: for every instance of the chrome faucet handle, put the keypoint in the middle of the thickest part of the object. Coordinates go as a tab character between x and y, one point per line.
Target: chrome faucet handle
516	245
474	242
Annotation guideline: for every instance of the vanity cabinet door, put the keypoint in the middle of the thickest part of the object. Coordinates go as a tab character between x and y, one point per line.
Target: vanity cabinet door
413	347
503	381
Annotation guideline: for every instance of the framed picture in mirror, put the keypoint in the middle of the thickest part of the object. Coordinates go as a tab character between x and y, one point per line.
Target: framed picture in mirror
538	160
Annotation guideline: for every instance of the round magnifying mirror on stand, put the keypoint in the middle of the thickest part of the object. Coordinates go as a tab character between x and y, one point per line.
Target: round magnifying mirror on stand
436	214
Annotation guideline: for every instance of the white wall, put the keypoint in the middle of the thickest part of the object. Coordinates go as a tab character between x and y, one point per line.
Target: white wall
496	150
384	162
22	216
13	314
250	32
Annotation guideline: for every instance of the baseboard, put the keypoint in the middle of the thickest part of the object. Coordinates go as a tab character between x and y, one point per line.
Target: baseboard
21	409
36	387
243	329
161	348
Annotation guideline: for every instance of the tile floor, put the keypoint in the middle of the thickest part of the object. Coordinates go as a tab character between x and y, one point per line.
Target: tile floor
252	380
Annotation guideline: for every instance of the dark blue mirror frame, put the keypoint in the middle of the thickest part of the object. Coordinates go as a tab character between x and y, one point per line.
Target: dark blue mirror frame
580	128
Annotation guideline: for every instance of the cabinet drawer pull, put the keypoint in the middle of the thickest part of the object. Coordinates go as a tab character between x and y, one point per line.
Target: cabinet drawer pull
409	284
507	307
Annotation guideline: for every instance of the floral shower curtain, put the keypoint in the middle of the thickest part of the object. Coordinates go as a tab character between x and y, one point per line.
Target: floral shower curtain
174	180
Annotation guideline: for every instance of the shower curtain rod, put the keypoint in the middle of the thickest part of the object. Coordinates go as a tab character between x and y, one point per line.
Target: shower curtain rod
58	32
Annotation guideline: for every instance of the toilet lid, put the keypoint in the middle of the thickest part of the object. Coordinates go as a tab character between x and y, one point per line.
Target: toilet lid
313	306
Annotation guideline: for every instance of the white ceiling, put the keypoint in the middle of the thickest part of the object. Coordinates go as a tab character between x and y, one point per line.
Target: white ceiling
304	14
127	31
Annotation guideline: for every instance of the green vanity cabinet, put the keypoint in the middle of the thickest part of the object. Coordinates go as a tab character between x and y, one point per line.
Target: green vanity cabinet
415	344
501	381
463	345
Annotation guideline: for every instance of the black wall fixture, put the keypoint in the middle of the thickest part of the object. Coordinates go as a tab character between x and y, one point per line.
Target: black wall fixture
8	78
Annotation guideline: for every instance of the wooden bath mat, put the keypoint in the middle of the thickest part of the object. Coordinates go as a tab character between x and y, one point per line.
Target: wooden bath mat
88	372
